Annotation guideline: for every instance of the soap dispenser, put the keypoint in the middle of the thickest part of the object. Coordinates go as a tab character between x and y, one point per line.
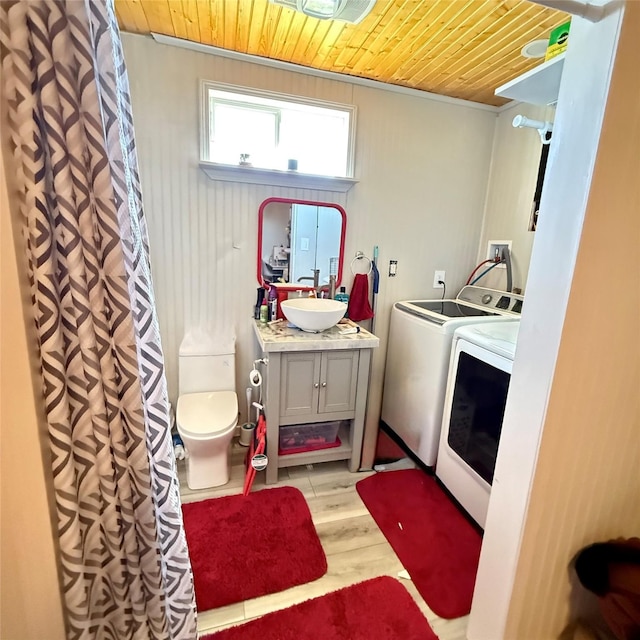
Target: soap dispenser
343	296
264	312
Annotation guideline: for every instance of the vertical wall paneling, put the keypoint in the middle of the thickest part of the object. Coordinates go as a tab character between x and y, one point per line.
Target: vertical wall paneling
567	469
422	168
28	555
420	199
587	483
512	183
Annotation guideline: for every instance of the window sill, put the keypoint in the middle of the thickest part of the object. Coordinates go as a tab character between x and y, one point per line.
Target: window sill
274	178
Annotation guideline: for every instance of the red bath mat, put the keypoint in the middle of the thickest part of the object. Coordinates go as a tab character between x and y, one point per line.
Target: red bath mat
432	539
378	609
243	547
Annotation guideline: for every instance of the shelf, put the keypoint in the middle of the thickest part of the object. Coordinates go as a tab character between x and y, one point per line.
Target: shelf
537	86
343	452
273	178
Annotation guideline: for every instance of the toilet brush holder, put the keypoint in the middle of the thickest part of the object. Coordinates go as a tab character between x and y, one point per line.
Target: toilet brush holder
246	433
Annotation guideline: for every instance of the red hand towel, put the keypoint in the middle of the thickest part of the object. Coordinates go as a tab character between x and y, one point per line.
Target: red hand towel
359	307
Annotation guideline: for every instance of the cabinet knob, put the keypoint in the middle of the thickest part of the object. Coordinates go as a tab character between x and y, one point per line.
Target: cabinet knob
315	385
324	384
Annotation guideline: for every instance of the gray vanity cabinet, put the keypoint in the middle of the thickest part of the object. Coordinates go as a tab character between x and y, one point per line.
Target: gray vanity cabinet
318	385
314	379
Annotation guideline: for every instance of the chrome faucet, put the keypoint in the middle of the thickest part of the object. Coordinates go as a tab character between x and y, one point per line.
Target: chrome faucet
332	286
316	280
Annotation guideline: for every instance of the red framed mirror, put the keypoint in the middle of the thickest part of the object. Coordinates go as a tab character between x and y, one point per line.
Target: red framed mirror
297	236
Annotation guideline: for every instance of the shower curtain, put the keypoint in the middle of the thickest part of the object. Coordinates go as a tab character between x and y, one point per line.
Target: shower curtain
125	569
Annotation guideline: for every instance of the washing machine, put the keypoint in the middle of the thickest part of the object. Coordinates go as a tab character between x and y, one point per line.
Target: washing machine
475	398
418	352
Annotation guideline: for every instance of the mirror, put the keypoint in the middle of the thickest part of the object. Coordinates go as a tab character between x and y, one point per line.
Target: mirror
297	236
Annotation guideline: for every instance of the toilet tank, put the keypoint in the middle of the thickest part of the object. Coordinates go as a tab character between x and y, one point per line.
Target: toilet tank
206	363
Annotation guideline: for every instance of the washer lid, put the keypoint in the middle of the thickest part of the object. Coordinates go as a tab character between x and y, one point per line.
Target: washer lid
442	310
207	413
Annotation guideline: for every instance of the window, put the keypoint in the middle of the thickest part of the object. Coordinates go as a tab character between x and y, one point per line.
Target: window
267	131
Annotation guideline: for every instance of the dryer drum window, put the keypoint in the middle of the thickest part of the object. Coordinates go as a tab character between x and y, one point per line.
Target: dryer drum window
479	399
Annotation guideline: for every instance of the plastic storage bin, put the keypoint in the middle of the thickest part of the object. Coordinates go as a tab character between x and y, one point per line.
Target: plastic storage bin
296	438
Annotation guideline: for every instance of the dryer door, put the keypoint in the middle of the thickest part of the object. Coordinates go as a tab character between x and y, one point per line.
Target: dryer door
475	400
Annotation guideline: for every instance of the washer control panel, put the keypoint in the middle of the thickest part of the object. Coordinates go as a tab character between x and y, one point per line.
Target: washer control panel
492	299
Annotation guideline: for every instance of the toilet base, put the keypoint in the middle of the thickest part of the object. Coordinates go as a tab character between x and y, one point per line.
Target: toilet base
207	472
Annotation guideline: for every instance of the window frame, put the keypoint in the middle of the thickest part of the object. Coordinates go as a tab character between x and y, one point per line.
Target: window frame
206	118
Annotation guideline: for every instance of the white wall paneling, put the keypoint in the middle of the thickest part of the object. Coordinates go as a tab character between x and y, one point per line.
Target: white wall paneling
567	469
512	184
586	484
421	166
423	169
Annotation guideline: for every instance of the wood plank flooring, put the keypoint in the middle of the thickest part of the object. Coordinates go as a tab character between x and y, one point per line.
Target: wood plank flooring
354	545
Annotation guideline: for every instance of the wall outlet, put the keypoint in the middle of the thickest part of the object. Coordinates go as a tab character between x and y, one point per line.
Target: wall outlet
494	246
437	276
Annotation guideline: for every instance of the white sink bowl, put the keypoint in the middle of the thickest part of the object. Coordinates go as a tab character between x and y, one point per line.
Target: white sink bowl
313	314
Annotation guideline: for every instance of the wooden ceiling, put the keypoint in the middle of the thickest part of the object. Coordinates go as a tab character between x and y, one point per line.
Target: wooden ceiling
457	48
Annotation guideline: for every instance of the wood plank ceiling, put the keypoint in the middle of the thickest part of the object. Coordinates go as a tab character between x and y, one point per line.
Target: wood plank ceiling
457	48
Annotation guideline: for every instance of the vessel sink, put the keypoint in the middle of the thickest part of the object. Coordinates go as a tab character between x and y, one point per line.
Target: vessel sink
313	314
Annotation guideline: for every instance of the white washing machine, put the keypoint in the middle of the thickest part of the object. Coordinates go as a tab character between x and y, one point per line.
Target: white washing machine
418	354
476	395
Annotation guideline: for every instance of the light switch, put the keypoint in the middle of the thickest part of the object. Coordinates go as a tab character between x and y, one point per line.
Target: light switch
304	244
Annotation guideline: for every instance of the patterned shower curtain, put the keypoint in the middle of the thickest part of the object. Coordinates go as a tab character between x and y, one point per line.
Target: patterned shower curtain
124	561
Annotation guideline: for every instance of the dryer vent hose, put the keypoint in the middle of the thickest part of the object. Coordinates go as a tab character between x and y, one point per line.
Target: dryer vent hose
506	258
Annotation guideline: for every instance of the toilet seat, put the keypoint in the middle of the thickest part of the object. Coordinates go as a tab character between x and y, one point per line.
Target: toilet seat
207	414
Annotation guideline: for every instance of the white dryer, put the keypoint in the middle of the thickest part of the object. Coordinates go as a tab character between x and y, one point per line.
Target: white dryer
476	395
418	353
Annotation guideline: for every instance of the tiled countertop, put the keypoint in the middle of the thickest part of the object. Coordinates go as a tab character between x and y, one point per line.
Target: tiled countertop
280	337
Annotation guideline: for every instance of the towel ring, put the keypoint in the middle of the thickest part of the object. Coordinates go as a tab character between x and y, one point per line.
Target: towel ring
360	256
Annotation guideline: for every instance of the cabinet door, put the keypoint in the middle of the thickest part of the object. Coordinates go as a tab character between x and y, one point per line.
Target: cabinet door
299	384
338	381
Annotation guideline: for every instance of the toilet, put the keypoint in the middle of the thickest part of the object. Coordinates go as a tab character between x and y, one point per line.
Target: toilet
207	408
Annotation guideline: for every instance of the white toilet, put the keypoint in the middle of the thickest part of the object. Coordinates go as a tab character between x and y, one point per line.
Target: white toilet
207	409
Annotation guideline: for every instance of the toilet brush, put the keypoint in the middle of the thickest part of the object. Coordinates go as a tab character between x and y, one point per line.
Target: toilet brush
246	431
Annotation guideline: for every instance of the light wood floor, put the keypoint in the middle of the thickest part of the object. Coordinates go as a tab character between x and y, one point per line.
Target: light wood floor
355	548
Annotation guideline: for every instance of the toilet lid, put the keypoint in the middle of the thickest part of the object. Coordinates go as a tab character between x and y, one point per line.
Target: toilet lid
207	413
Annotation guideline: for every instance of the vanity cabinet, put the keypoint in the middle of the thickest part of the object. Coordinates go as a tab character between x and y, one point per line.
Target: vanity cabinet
310	379
318	385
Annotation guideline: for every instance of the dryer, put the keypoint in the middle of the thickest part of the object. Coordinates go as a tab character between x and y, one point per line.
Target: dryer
419	347
476	394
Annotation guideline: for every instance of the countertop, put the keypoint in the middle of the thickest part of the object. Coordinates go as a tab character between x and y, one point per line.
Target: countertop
280	337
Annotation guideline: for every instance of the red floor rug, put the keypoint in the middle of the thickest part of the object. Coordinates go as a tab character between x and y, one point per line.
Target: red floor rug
432	539
378	609
244	547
